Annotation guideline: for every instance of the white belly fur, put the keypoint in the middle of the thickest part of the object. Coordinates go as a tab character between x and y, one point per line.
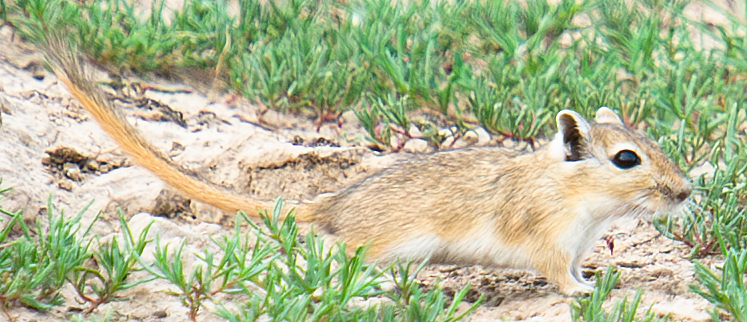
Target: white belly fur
478	246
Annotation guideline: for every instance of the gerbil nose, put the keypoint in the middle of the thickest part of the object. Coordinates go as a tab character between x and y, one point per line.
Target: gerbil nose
684	193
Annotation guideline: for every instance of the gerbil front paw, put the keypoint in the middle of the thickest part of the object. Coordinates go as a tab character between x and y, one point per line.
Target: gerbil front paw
576	289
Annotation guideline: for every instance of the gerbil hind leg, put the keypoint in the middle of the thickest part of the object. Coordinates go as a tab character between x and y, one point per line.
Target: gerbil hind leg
556	264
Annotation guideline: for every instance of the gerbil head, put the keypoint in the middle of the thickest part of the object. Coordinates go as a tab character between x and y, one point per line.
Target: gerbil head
621	170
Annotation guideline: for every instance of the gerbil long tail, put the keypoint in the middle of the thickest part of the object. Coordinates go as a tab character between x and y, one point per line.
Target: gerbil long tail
67	65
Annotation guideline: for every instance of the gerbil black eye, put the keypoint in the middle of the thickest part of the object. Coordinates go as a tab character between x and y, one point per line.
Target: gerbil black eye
626	159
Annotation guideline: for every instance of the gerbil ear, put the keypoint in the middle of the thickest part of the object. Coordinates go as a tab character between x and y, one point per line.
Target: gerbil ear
574	130
606	116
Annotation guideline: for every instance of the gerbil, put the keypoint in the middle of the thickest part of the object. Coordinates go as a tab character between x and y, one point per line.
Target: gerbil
487	205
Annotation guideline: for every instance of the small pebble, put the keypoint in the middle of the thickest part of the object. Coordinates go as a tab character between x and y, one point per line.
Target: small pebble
92	165
72	171
483	137
416	146
66	184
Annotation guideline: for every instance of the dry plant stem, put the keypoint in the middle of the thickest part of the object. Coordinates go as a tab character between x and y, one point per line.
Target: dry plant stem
6	312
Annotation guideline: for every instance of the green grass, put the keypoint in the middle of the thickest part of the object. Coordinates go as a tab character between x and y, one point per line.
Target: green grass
727	292
501	66
265	271
35	262
589	308
115	262
505	67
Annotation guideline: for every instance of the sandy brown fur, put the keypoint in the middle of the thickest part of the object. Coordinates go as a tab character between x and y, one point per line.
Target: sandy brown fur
484	205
